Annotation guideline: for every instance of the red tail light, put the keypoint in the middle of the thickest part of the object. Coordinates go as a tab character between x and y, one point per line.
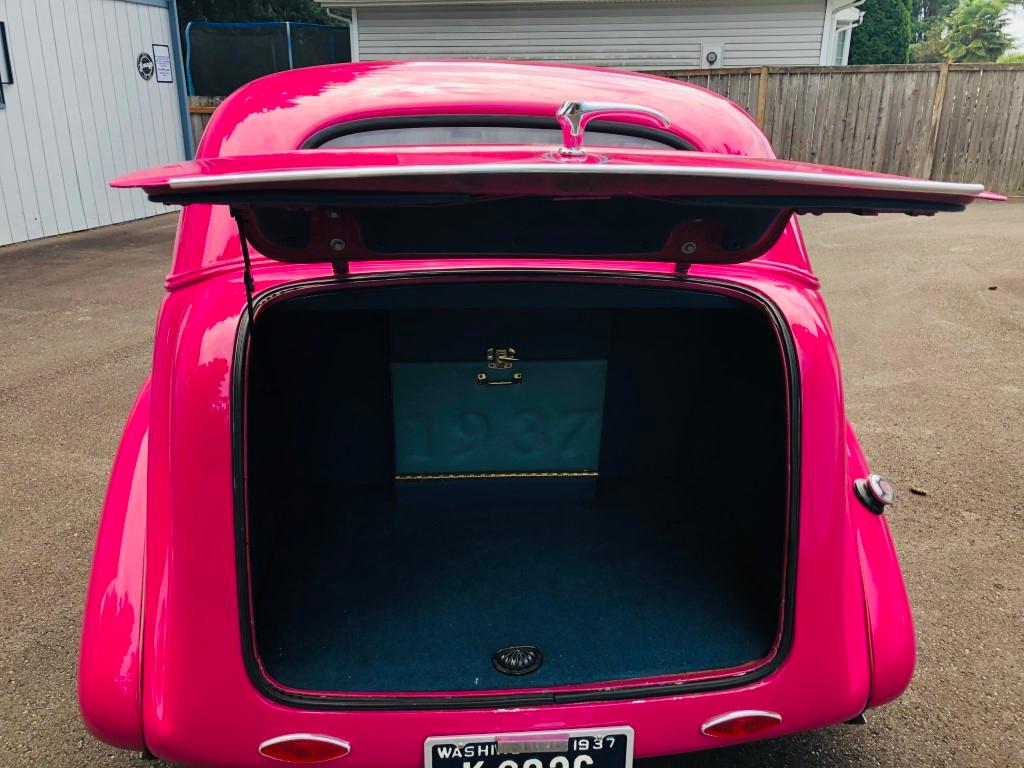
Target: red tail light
734	725
304	748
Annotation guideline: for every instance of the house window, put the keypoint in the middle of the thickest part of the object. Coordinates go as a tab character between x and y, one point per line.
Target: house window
843	21
841	47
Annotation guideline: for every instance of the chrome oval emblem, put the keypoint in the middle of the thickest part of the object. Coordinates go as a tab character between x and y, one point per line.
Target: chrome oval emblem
517	660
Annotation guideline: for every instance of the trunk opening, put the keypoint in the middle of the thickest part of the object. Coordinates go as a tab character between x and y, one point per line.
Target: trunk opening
622	507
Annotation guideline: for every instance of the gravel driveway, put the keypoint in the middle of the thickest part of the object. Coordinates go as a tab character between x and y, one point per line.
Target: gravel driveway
929	316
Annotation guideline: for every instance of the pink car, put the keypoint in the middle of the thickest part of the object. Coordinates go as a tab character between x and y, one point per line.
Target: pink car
495	421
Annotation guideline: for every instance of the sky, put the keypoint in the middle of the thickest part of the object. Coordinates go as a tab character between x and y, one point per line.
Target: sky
1016	27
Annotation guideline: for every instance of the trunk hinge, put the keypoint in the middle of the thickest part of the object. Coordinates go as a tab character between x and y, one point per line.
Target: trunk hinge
247	263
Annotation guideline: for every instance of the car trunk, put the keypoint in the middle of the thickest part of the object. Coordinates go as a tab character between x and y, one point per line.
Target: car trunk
440	470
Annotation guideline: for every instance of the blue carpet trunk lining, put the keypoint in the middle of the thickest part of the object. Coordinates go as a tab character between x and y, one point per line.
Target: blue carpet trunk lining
418	597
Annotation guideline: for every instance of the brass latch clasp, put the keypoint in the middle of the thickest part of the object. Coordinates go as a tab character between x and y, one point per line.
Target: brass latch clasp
501	359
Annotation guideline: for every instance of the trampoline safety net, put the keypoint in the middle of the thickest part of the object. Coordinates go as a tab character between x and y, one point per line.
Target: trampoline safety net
220	57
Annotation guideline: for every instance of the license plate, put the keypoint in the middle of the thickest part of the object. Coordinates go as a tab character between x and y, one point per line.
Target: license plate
587	748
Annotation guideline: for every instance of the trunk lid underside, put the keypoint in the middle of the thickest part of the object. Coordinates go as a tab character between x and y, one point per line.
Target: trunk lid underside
450	202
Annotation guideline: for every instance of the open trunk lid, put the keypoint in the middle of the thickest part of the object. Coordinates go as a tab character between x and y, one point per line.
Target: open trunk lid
480	201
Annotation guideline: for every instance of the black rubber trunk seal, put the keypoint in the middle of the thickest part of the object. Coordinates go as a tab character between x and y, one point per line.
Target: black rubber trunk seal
355	702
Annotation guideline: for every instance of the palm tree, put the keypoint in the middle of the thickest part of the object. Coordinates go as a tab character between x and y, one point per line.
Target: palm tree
975	31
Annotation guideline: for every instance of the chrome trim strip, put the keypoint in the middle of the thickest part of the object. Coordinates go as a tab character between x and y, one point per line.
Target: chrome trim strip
649	169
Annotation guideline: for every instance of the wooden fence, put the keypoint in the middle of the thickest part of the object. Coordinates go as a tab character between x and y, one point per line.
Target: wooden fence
955	122
200	109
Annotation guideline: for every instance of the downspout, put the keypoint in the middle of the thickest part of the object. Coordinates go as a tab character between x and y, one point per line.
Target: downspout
186	119
353	31
335	16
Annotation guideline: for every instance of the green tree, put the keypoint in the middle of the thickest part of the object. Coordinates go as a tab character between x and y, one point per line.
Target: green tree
884	35
929	50
974	31
927	16
252	10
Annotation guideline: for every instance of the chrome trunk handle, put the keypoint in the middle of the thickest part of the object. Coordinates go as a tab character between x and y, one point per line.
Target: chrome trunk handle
573	116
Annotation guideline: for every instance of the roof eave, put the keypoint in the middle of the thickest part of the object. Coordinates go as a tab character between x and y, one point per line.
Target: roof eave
396	3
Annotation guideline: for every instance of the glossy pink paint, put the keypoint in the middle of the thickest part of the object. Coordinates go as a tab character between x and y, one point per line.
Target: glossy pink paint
110	662
890	625
193	701
824	679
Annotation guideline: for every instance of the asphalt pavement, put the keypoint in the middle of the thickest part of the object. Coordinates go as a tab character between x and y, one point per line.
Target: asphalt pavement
929	317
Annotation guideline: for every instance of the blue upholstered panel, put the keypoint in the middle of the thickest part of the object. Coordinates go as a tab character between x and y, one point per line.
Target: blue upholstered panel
447	422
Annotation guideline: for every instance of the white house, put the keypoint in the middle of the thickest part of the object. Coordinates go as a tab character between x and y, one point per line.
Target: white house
89	90
630	34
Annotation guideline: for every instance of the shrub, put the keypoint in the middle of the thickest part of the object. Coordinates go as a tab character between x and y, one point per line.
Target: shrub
884	35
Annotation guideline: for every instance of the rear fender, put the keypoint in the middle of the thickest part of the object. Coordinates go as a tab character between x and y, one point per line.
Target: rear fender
110	662
889	621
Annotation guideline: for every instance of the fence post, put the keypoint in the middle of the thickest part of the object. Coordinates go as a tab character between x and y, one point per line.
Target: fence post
940	96
762	96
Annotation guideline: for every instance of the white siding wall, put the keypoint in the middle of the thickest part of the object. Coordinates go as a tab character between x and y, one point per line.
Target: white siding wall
651	35
78	114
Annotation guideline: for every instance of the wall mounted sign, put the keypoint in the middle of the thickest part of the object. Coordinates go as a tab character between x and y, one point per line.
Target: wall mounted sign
162	58
144	64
